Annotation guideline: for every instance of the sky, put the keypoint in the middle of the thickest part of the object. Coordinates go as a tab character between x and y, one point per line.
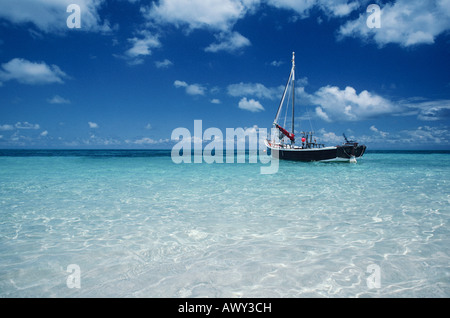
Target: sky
123	74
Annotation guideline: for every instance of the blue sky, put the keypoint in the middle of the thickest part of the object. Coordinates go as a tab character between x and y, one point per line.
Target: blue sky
135	70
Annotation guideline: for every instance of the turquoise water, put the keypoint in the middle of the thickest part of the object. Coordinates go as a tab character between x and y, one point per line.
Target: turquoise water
138	225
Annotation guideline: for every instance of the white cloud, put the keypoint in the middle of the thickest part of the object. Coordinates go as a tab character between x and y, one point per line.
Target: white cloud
178	84
191	89
324	136
148	126
301	82
147	141
94	140
427	110
405	22
141	46
276	63
44	133
333	104
301	7
195	89
426	135
58	100
51	15
215	101
420	136
31	73
222	15
377	131
346	105
216	15
254	89
26	125
163	64
93	125
6	127
321	114
250	105
229	42
336	8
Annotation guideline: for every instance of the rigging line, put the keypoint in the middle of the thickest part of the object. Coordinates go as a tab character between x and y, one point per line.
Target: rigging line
287	107
282	98
309	118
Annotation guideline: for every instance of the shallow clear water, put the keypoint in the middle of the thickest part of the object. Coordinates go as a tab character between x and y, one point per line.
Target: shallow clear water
138	225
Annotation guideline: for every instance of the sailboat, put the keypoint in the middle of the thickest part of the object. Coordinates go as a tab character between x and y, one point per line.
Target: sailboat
309	150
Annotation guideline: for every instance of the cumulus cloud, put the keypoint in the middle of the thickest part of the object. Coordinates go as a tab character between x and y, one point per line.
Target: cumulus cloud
301	7
222	15
218	16
229	42
250	105
163	64
405	22
198	14
178	84
425	135
321	114
428	110
377	131
328	136
254	89
191	89
58	100
334	104
31	73
195	89
422	135
141	46
51	15
336	8
6	127
26	125
276	63
261	91
146	141
93	125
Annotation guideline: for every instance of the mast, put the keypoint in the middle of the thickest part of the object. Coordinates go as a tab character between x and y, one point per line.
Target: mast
282	99
293	94
291	135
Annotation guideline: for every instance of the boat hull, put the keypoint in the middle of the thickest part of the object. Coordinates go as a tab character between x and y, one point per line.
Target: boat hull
350	151
338	153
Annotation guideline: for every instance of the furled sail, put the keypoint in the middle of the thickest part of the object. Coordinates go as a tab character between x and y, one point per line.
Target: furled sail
286	133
